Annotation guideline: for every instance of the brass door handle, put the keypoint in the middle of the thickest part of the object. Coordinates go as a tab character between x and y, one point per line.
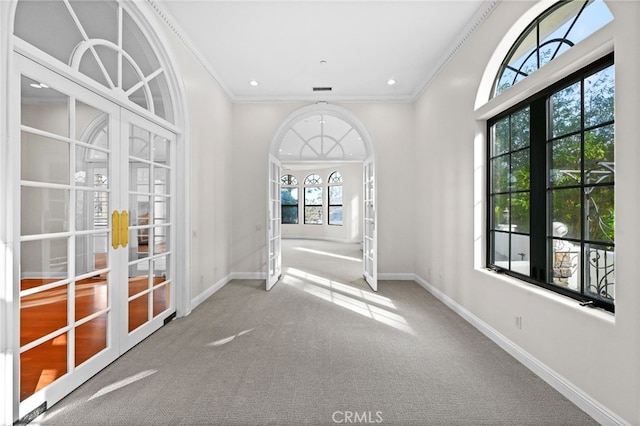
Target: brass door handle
115	229
119	229
124	228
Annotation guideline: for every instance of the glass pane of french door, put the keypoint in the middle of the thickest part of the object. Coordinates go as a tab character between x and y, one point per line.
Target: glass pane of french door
150	159
65	199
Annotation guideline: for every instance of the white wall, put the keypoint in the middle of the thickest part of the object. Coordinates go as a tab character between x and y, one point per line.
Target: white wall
596	351
211	187
351	229
391	129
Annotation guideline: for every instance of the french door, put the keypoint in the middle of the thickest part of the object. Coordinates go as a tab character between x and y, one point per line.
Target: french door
274	261
370	233
95	233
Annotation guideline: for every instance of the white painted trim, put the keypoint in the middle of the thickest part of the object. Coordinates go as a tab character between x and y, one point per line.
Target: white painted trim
199	299
318	109
350	118
180	34
483	12
486	8
9	267
248	275
570	391
322	238
396	276
177	93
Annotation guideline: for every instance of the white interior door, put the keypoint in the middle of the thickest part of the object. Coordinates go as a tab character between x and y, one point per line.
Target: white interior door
66	146
370	246
96	255
147	161
274	250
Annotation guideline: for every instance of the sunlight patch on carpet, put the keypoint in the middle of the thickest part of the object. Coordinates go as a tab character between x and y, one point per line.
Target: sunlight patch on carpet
334	292
230	338
122	383
326	253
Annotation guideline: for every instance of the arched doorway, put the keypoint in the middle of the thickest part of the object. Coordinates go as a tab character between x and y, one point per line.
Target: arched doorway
95	126
321	133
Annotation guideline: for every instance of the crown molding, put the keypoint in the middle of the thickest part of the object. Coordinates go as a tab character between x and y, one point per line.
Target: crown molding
323	99
483	12
180	34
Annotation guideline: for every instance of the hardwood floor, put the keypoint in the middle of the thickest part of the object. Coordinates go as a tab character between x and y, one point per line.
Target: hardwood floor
46	312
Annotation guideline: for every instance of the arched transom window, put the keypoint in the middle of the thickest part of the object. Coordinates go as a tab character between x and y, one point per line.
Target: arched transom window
288	180
549	35
102	41
322	137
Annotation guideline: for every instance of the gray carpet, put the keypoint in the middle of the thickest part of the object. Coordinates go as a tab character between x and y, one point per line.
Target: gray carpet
320	348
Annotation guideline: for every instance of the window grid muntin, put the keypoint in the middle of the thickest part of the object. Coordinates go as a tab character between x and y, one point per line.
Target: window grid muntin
496	228
289	183
584	242
535	102
334	181
313	209
80	43
534	27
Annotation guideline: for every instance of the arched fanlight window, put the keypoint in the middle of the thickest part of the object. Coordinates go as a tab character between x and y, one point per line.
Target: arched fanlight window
549	35
288	180
323	137
289	199
335	198
313	199
335	178
102	41
313	180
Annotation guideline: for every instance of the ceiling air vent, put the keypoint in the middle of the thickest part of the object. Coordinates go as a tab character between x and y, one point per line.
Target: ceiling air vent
322	89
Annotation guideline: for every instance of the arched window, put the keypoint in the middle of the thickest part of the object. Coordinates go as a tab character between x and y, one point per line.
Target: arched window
313	200
102	41
553	32
323	137
289	199
335	198
550	164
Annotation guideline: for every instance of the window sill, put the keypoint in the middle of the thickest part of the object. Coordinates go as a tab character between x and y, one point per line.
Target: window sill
570	303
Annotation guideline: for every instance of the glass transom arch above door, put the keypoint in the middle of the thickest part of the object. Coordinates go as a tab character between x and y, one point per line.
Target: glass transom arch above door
101	40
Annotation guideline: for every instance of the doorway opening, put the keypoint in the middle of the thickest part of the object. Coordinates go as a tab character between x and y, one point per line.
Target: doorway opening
322	187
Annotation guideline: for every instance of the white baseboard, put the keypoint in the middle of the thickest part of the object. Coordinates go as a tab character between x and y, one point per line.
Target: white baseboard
322	238
209	292
595	409
396	276
248	276
224	281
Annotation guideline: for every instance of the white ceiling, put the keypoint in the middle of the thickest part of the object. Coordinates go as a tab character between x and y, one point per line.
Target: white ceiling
365	43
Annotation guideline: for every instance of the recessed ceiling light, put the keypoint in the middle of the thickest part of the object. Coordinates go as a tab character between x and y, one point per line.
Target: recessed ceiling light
254	83
391	82
323	62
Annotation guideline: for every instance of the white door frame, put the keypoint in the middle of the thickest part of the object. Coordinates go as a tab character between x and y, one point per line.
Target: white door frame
370	225
370	274
143	14
274	248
